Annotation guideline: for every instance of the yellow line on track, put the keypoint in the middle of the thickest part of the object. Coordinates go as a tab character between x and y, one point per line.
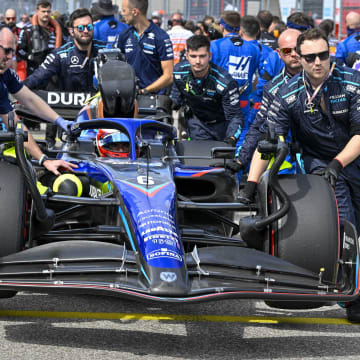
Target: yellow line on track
170	317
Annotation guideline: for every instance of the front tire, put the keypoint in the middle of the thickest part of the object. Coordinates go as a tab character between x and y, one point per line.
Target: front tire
308	236
12	213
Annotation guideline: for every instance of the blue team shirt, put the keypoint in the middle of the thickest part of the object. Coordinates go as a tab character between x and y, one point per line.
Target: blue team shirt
239	58
107	29
350	45
9	83
265	52
145	53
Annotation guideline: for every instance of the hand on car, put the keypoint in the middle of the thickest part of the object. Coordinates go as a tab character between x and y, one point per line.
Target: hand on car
331	172
234	165
54	165
64	124
231	141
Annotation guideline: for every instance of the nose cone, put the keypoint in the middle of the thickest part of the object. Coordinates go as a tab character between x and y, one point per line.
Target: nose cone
169	282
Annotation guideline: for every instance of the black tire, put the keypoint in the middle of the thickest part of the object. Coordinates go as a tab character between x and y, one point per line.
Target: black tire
308	235
12	213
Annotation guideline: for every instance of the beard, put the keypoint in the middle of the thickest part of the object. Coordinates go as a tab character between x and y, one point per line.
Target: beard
11	25
83	41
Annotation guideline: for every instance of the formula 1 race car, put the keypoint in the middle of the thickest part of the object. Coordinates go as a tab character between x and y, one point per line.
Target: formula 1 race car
161	221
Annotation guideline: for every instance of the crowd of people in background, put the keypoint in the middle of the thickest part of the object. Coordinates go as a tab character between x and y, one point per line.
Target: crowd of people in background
109	22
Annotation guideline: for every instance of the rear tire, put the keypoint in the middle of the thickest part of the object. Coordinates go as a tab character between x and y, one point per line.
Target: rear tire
308	235
12	213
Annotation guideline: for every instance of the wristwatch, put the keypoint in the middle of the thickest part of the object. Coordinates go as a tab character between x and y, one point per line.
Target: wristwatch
43	159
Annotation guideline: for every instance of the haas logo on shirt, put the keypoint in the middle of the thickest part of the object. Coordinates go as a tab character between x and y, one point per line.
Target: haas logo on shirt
239	67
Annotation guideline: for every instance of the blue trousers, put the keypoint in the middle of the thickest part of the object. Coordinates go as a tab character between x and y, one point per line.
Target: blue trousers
200	130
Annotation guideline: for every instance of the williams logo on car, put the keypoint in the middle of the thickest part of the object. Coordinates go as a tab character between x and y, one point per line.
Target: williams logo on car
168	276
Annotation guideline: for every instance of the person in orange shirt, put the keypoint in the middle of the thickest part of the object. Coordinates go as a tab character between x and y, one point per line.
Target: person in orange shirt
178	36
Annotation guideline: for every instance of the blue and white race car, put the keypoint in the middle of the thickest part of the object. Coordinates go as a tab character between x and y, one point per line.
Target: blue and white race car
160	220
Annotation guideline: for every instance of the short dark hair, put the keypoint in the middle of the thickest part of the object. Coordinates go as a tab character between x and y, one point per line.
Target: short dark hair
232	18
312	34
43	4
189	25
265	18
79	13
250	25
299	18
141	5
327	26
195	42
208	17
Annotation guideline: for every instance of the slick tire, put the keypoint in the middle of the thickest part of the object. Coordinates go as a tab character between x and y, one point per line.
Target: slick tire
308	235
12	213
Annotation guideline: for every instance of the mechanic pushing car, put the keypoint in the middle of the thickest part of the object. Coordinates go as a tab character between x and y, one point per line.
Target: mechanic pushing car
148	48
287	53
321	106
210	93
72	63
10	82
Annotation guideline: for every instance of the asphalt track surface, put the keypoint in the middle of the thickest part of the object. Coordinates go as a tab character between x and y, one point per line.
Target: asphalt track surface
42	326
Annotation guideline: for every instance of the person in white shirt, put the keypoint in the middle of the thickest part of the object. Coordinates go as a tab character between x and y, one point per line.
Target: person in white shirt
178	36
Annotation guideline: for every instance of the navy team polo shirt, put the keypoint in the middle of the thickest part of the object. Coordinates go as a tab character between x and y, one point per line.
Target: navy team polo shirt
145	53
9	82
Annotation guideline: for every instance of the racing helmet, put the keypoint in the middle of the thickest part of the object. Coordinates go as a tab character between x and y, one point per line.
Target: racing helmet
112	143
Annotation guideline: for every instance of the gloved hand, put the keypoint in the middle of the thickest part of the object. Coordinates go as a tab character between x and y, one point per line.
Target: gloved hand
331	172
64	124
234	165
247	194
231	141
351	59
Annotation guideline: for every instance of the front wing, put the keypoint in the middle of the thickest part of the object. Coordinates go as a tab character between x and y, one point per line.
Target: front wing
211	273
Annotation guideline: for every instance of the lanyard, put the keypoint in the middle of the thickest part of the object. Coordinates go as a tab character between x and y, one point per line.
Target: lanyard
189	87
285	77
311	98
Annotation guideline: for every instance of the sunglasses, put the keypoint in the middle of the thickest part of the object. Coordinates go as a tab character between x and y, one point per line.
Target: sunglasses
8	51
310	58
81	28
287	51
11	18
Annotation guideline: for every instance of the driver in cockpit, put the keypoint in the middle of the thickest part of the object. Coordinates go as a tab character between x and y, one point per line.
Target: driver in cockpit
112	143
